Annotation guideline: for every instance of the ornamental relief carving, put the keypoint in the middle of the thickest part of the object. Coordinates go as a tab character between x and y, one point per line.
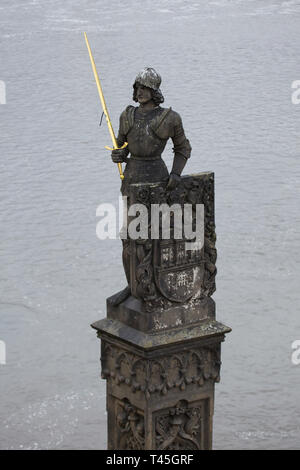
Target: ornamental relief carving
164	272
150	376
180	427
130	427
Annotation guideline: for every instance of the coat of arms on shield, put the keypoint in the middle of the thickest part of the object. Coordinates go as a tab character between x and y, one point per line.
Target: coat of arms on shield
178	272
174	270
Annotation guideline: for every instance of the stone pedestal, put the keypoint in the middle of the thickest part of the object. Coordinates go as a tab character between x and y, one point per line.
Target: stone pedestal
160	387
161	347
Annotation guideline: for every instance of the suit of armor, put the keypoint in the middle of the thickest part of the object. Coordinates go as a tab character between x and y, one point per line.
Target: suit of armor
147	130
147	134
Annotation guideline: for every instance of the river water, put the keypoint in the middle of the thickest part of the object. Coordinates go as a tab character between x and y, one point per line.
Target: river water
227	67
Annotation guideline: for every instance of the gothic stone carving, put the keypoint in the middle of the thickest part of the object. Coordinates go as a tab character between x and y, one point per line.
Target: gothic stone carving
163	272
130	426
150	376
181	427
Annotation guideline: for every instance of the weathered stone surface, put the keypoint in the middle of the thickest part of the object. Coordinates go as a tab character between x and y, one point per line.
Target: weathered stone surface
162	382
161	374
180	427
177	337
162	272
133	312
161	346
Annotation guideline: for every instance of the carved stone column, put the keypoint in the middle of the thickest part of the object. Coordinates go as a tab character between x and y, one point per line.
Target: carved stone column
161	347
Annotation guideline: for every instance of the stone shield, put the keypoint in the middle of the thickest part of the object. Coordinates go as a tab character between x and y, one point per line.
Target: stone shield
178	272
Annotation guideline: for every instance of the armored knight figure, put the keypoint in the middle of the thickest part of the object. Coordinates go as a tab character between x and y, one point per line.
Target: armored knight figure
147	129
160	341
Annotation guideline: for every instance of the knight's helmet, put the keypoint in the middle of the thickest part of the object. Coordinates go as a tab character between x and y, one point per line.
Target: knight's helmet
148	77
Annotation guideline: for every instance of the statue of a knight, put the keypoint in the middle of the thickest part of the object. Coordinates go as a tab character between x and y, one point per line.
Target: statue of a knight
147	129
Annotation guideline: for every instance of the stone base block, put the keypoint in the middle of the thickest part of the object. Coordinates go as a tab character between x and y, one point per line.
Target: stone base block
160	386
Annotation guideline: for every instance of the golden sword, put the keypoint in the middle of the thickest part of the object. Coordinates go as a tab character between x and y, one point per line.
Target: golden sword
104	107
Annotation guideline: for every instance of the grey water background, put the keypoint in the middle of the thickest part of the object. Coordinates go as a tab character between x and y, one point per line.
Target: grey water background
227	67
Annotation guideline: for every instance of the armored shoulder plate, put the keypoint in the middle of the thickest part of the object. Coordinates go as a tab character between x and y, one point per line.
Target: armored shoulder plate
127	119
156	123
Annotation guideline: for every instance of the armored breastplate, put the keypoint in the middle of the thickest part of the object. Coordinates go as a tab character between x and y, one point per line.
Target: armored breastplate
143	142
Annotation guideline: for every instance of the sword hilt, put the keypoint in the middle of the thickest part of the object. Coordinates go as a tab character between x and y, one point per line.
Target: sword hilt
119	164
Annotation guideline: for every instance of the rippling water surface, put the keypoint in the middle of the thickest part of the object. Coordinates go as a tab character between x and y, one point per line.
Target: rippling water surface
227	67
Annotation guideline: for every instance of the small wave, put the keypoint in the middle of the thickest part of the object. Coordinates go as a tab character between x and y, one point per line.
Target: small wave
263	435
68	20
